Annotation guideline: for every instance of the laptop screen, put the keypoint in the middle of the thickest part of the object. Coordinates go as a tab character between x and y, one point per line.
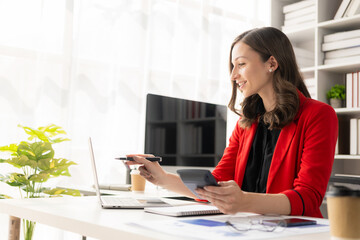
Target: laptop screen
96	181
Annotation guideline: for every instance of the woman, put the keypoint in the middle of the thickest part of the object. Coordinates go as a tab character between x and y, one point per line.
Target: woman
281	152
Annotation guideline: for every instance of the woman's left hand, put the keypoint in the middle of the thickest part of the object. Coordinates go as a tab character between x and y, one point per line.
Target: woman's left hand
228	197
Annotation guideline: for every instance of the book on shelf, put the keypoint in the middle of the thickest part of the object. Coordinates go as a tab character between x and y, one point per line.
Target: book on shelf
311	86
342	36
350	59
300	12
355	91
342	9
352	90
348	90
298	27
185	210
340	53
305	62
305	53
337	146
346	43
358	137
298	5
344	136
356	79
353	136
300	19
353	9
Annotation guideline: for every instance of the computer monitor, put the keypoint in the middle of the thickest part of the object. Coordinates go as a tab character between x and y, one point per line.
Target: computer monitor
185	132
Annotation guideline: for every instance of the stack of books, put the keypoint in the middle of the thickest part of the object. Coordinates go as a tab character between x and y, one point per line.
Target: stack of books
348	8
299	15
352	90
342	47
311	86
304	57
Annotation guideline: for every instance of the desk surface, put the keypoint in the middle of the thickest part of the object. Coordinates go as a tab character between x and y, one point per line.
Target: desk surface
84	216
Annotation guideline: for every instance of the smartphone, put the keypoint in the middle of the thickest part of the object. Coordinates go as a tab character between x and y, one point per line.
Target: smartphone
289	222
152	159
197	178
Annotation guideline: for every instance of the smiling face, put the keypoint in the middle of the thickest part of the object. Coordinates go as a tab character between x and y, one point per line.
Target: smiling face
250	73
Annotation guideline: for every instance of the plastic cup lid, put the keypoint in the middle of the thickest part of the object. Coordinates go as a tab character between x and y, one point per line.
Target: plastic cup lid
342	191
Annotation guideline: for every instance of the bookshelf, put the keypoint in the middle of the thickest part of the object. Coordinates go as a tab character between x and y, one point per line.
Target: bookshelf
184	132
311	37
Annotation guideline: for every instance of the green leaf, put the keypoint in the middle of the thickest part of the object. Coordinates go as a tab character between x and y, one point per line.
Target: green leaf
20	162
45	133
36	151
3	196
55	167
40	177
34	134
15	179
52	130
10	148
62	191
37	158
337	92
59	140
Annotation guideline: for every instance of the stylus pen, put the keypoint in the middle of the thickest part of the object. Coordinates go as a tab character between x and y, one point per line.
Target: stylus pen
152	159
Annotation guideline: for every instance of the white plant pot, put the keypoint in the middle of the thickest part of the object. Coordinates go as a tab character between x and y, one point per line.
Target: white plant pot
336	103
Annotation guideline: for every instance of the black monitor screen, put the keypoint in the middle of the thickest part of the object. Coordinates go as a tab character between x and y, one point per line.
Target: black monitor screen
185	132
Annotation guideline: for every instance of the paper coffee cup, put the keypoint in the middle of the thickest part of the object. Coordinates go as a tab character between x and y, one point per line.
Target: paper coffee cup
343	206
137	181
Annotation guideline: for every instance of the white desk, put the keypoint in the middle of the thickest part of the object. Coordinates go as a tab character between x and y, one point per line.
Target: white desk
84	216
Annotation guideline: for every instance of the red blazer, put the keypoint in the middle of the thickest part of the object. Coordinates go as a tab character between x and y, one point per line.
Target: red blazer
302	159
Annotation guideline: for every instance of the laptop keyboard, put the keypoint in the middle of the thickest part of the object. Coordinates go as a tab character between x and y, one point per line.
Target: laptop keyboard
121	201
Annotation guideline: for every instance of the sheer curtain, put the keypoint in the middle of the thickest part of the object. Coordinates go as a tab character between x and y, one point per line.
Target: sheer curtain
87	66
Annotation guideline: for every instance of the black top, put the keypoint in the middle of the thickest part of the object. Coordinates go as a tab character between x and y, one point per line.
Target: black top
259	161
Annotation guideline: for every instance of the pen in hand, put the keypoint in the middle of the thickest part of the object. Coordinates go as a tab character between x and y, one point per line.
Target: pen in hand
152	159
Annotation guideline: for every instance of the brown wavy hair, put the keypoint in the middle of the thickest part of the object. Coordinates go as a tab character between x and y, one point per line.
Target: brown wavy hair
267	42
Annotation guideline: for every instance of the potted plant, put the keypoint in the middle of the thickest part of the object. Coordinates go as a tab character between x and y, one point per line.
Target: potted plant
36	159
336	95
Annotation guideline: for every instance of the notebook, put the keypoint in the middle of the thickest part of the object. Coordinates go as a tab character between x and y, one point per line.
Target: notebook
120	202
185	210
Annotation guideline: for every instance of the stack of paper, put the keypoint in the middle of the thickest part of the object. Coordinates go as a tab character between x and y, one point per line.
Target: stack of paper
342	47
304	57
299	15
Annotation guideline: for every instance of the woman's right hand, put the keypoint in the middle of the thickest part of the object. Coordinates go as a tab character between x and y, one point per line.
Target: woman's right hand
151	171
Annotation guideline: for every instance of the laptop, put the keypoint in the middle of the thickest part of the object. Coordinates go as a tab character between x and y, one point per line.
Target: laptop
121	202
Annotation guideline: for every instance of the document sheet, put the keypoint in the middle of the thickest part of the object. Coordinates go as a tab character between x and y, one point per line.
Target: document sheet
215	227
